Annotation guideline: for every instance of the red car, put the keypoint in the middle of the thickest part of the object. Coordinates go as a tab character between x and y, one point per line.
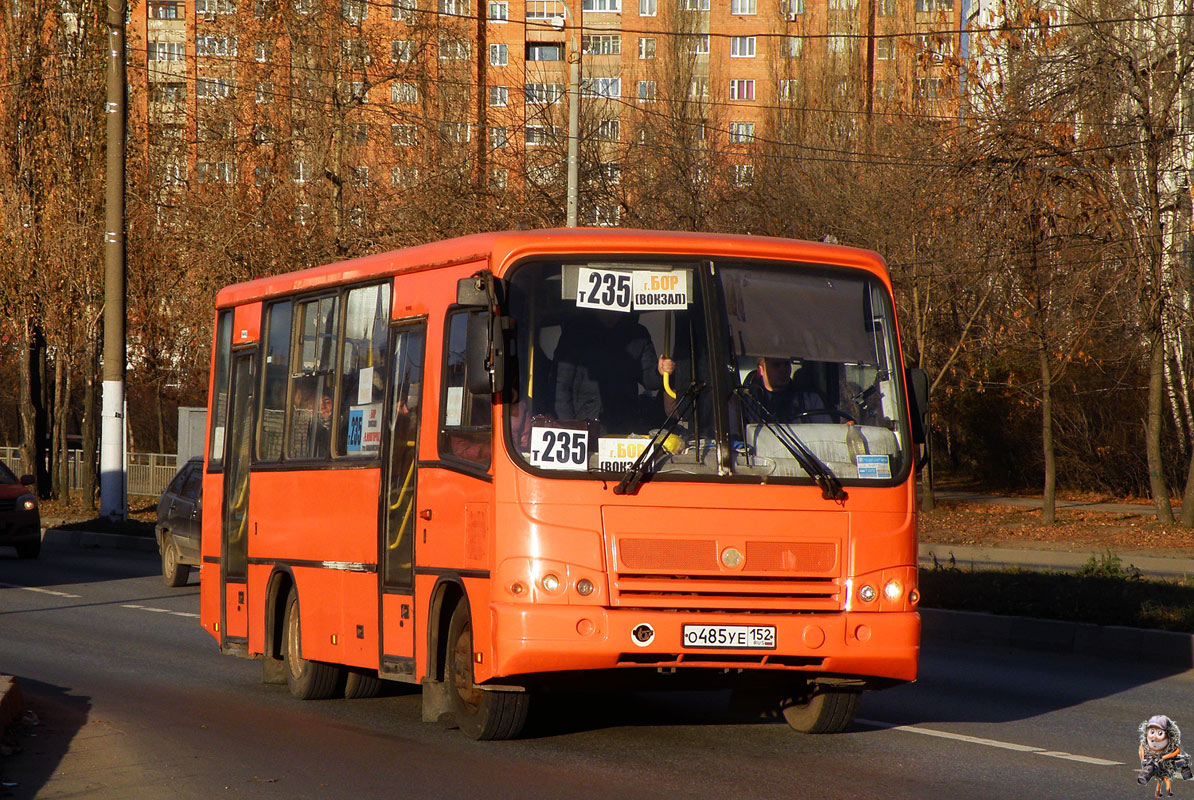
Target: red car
20	520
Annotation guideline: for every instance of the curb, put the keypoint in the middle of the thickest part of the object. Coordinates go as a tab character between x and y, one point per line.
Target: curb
11	702
64	538
981	557
1079	638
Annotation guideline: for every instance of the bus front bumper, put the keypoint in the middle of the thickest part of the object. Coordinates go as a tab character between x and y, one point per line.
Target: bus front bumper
544	638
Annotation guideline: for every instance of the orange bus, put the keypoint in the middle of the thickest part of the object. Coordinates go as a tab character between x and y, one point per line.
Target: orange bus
532	460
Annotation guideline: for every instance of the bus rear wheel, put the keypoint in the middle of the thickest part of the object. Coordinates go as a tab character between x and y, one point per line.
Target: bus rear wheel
479	714
361	684
307	680
822	711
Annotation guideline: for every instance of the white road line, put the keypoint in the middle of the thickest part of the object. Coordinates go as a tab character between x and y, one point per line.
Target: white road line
38	590
961	737
163	611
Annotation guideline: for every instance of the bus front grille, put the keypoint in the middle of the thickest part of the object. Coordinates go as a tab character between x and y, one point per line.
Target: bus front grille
726	593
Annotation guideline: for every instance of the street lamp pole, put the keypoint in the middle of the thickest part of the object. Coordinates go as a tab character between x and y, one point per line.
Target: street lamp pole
573	118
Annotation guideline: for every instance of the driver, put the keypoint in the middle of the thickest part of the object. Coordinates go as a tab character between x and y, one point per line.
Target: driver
772	385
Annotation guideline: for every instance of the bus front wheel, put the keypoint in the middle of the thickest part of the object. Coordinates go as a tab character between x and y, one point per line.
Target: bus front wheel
822	711
479	714
307	680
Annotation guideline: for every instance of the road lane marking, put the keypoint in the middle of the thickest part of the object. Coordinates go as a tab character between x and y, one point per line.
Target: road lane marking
163	611
38	590
961	737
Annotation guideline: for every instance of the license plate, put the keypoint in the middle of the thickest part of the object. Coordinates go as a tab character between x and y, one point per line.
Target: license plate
734	637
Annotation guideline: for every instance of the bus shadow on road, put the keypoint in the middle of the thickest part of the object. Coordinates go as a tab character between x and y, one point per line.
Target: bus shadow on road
41	737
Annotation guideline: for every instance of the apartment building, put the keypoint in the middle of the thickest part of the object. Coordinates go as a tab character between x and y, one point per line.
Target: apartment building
373	93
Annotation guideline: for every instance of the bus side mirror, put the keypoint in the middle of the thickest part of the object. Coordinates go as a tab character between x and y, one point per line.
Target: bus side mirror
485	353
474	290
917	381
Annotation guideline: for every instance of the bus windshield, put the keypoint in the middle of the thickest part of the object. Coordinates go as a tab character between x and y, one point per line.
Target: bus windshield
607	352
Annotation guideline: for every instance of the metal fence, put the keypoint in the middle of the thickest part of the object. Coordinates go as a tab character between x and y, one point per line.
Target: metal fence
148	473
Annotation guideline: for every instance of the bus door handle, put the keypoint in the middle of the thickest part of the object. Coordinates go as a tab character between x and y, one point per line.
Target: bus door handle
425	513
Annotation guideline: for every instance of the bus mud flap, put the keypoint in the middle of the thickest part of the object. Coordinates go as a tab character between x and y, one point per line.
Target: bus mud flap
436	703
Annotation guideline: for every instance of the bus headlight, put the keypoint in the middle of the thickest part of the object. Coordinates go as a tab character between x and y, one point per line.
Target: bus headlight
893	590
584	587
551	582
867	594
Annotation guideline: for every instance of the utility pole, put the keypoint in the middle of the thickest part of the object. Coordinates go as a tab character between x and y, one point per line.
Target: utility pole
113	498
573	117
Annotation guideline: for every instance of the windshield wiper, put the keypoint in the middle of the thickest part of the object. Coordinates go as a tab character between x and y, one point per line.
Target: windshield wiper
635	472
831	487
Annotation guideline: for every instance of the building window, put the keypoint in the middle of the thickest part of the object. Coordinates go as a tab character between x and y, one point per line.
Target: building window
839	44
742	174
499	55
883	90
404	177
601	44
610	172
261	51
209	8
404	93
454	8
166	51
698	88
499	11
742	47
648	8
544	52
301	172
606	216
537	135
886	8
934	5
609	130
646	48
165	10
498	179
174	173
170	93
793	46
742	132
744	7
404	135
929	87
499	95
602	5
936	47
354	11
697	43
215	171
789	90
694	5
212	88
359	175
498	138
543	93
215	46
742	90
401	50
609	88
264	93
457	132
885	48
405	11
451	49
262	133
843	5
793	8
646	91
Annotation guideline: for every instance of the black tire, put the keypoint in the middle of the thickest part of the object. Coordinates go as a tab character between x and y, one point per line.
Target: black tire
307	680
823	711
361	683
29	549
479	714
173	573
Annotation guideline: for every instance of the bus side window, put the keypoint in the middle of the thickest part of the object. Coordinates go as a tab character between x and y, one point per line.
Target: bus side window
466	429
219	406
276	374
363	371
313	360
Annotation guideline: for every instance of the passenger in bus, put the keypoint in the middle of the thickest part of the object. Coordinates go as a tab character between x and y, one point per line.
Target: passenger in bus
601	360
323	427
771	384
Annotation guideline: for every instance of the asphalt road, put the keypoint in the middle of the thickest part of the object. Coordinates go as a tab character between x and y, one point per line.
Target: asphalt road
134	700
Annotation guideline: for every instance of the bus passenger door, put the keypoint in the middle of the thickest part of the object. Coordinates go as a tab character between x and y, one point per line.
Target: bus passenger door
235	519
399	480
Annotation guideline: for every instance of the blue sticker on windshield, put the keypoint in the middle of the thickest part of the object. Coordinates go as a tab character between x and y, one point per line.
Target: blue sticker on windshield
873	466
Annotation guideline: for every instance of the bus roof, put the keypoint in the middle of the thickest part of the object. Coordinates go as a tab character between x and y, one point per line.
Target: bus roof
500	249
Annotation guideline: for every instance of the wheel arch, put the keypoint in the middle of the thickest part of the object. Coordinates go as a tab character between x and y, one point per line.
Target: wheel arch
448	593
281	584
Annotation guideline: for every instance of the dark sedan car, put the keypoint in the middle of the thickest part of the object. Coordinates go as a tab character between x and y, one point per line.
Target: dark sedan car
177	528
20	520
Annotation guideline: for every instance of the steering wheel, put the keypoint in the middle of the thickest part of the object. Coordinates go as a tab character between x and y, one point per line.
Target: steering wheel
833	412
